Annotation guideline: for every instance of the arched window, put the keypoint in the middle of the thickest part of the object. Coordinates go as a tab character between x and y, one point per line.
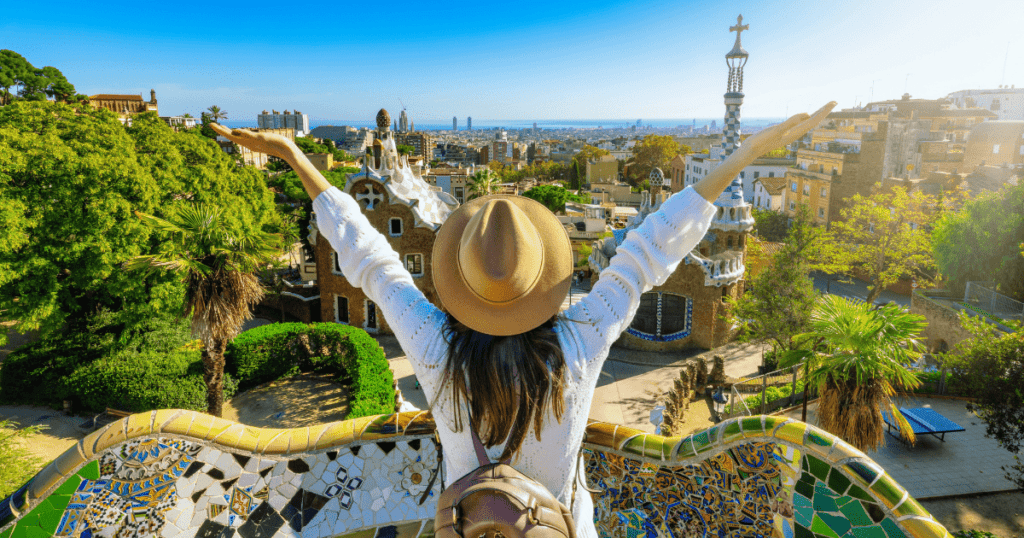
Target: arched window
662	317
728	242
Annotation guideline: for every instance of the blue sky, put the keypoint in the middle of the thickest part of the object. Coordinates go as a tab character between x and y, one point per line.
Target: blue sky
519	60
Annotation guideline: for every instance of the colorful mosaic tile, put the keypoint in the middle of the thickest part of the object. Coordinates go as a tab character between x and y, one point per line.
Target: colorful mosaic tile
757	477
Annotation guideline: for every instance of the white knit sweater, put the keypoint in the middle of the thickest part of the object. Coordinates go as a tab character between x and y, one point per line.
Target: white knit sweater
586	331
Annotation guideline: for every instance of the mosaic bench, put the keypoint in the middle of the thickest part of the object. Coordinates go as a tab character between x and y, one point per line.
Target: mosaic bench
173	473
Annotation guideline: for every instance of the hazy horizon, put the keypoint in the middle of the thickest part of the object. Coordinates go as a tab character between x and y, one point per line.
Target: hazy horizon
570	60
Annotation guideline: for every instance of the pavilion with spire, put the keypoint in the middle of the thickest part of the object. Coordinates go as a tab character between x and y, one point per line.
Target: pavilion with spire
687	311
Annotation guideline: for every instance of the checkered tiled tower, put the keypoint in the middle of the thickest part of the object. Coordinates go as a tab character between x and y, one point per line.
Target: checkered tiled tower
737	215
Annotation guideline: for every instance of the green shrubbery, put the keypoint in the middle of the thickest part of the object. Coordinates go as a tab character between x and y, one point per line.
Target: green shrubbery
156	367
771	394
282	349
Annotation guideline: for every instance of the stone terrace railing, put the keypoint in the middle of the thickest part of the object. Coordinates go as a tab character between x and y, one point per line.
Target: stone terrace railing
181	473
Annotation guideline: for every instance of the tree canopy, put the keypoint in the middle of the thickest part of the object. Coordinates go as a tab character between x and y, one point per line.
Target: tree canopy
779	301
70	179
770	225
980	242
553	197
32	83
989	366
885	236
652	151
308	145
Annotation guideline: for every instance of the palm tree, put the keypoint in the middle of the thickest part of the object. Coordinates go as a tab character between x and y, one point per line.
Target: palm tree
858	361
216	114
220	285
482	183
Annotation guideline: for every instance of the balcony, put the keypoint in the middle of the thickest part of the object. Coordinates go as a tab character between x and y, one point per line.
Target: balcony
173	472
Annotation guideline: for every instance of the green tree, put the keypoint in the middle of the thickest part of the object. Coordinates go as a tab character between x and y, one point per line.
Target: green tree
989	366
404	149
33	84
218	267
584	251
553	197
885	236
71	179
857	357
770	225
216	114
652	151
778	304
981	242
482	183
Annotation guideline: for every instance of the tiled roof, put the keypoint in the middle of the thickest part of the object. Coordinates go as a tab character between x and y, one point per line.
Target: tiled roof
774	185
115	97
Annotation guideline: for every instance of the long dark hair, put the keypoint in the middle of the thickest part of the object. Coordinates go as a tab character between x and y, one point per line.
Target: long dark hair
514	378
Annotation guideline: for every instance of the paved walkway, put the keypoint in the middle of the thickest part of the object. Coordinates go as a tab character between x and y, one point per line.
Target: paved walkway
967	462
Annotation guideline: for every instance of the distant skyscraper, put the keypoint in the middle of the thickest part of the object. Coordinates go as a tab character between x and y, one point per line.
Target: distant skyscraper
288	120
455	123
639	123
469	123
535	127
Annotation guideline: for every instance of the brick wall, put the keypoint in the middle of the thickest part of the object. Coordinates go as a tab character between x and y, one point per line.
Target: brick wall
413	240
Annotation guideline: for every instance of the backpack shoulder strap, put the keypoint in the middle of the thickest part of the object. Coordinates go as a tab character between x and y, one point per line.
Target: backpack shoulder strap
478	446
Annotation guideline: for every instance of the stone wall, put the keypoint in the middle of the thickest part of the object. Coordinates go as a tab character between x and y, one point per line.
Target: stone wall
860	171
175	473
944	330
708	328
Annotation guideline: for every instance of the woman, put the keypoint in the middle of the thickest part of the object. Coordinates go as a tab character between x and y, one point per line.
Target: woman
502	268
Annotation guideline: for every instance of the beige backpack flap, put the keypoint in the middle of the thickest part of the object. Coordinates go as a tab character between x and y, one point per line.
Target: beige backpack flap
493	500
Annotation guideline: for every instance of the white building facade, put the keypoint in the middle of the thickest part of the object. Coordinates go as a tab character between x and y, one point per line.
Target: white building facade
286	120
1008	103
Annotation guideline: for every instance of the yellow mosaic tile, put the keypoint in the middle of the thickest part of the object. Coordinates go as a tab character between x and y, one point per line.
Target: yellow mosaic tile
336	433
67	462
216	428
249	439
181	424
230	436
792	432
601	434
279	444
315	433
200	427
623	435
264	437
299	440
668	447
46	479
88	444
163	416
842	450
359	426
138	425
922	528
110	435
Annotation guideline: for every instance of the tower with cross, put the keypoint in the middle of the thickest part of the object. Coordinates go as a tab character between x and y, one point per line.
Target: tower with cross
737	214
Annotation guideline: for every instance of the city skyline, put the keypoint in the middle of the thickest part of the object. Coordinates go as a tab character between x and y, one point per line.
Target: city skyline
616	60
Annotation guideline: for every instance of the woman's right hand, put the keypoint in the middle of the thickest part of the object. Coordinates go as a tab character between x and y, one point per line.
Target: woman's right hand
269	143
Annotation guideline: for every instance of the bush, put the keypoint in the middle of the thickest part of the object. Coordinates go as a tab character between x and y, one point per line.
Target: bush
282	349
971	533
156	367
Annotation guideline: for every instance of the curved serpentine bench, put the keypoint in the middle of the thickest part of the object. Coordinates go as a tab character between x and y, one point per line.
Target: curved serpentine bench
181	473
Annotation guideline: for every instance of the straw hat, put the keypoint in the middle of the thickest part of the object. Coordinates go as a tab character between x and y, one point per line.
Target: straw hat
502	264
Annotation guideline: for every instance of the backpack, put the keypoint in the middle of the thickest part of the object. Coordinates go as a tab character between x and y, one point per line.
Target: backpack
497	501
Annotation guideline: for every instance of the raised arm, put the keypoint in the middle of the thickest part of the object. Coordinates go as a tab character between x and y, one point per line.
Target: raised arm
652	251
364	254
283	148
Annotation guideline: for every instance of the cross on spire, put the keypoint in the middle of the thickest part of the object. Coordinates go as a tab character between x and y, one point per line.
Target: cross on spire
739	28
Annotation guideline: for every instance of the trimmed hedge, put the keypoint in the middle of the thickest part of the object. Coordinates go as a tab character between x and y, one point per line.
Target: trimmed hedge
159	367
278	350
